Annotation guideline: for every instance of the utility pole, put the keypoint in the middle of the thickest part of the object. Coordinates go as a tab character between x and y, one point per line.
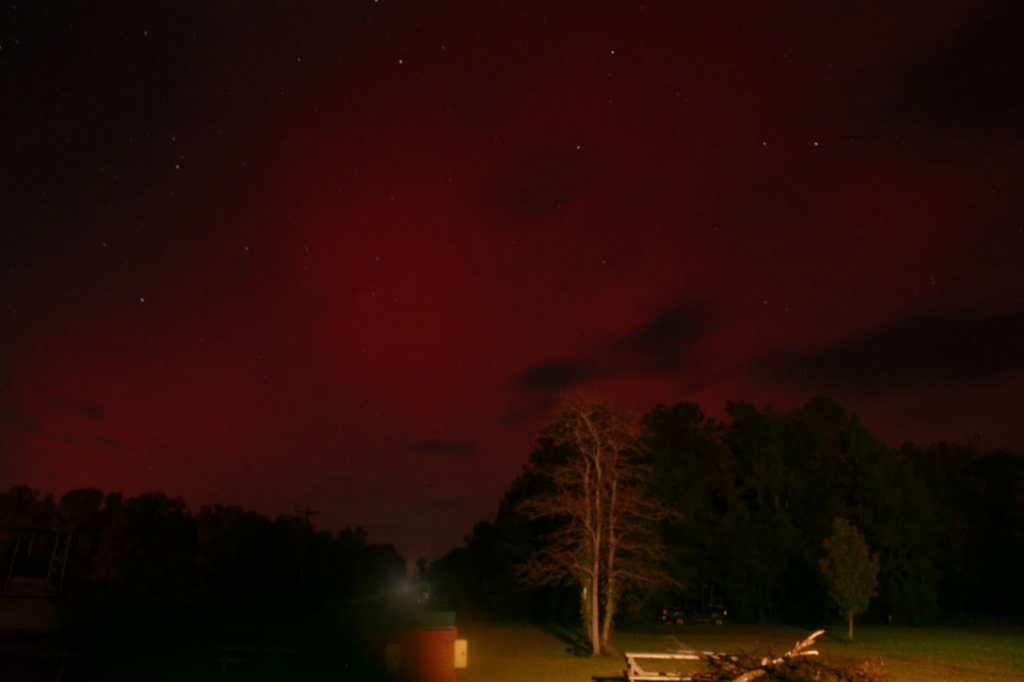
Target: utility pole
307	513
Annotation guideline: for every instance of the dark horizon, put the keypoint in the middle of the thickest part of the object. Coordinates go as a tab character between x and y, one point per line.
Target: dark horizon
345	256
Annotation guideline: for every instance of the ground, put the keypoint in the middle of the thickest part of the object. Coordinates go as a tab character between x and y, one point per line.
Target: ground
512	652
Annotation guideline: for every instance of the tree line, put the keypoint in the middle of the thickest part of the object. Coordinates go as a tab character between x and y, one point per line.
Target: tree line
152	547
612	515
738	511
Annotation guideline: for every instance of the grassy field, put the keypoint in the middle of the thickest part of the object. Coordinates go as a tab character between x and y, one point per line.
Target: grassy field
507	652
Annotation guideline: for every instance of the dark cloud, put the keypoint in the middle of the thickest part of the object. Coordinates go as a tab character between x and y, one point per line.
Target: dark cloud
970	81
535	388
442	447
82	407
935	348
552	377
18	417
661	345
108	442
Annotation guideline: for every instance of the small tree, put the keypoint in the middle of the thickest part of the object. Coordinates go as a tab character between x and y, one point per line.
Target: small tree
850	570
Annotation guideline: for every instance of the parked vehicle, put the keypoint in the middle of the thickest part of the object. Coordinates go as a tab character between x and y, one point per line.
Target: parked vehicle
681	615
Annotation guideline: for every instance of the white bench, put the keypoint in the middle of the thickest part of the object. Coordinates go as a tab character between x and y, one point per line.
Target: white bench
634	672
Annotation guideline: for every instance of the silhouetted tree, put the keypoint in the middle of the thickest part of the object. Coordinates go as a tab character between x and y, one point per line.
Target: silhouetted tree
691	471
760	519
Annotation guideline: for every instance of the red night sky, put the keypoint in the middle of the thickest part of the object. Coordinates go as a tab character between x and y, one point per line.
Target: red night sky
344	254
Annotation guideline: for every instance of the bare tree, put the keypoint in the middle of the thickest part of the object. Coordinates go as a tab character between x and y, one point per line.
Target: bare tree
605	540
635	556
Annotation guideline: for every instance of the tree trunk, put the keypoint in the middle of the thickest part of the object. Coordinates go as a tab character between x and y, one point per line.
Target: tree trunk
849	629
596	511
593	625
585	607
609	568
609	612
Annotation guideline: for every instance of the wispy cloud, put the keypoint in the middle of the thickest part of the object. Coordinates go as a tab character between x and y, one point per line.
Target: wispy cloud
85	408
929	349
442	447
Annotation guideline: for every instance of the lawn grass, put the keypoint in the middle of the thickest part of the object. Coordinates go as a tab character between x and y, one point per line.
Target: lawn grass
507	652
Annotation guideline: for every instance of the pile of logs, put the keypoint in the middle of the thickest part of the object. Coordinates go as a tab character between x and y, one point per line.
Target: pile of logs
799	664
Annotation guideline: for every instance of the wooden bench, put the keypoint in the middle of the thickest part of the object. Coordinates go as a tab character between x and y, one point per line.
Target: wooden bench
634	672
